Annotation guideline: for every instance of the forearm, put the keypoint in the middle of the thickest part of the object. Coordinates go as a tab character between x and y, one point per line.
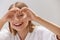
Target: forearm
2	22
49	25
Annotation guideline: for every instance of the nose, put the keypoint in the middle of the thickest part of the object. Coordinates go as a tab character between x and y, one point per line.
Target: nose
16	18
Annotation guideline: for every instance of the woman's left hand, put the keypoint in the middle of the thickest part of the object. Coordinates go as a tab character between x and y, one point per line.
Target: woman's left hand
30	13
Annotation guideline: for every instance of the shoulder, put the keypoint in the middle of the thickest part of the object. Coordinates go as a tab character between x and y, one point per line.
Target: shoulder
42	29
4	34
44	32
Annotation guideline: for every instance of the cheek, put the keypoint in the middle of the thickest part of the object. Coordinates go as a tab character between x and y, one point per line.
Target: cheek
26	22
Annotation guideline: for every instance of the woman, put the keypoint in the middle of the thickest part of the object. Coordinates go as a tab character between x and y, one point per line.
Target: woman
19	17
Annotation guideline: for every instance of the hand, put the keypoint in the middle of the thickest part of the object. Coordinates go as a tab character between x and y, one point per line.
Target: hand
30	13
9	15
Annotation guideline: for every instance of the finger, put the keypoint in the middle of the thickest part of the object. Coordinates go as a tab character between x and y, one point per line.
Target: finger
28	15
31	12
14	9
24	14
24	9
12	13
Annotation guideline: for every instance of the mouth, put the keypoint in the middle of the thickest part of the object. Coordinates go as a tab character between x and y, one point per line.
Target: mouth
18	25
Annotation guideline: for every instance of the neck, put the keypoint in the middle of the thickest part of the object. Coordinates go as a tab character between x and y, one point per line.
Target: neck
23	33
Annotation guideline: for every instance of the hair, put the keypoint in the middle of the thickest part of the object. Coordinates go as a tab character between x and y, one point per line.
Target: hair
30	24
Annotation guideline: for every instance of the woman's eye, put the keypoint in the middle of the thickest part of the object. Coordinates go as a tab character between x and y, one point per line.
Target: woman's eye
21	15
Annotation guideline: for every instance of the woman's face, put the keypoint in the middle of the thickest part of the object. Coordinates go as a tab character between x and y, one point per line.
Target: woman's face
19	21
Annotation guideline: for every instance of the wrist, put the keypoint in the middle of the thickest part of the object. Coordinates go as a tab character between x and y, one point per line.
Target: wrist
37	18
4	19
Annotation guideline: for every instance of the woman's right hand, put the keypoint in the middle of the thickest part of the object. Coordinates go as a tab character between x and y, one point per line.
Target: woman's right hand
8	16
11	13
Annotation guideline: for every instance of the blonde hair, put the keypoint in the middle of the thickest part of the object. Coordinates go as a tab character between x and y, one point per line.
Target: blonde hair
30	24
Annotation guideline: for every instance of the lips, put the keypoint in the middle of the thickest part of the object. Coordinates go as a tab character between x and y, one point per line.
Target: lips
17	24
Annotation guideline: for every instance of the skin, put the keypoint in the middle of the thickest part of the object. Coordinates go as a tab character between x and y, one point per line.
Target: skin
20	18
28	15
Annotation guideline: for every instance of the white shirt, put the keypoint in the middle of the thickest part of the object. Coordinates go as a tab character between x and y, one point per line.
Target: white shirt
39	33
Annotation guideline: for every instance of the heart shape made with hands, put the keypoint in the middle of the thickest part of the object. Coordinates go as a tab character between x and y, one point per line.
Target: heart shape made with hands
16	11
26	11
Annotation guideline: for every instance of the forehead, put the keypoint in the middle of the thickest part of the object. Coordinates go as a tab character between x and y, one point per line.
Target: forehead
14	9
